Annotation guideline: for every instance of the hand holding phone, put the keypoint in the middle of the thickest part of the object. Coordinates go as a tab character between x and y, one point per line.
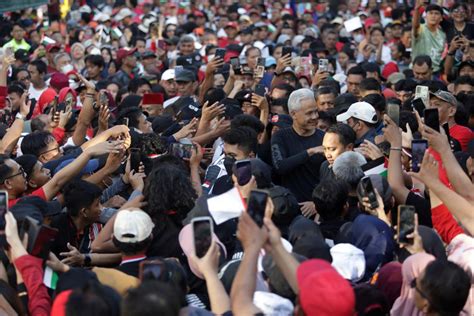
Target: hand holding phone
260	69
405	223
286	50
323	65
135	159
260	90
393	111
418	149
369	192
432	118
203	230
256	206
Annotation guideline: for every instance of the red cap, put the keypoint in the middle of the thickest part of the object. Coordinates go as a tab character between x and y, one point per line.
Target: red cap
124	52
232	24
389	69
198	13
323	291
369	22
49	47
59	81
153	98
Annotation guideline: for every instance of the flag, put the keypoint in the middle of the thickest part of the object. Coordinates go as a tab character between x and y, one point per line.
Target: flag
378	166
50	278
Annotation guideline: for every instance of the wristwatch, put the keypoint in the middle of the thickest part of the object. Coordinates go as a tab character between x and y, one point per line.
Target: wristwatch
87	260
19	116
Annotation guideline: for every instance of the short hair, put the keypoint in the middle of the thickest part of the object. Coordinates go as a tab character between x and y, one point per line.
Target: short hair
132	248
357	70
330	198
400	47
249	121
325	90
79	194
447	286
347	167
17	88
464	80
331	83
346	134
152	298
35	143
5	170
377	28
371	67
286	87
408	117
136	83
368	84
37	124
247	52
96	60
186	39
244	137
405	85
133	114
297	96
420	60
375	99
93	298
40	66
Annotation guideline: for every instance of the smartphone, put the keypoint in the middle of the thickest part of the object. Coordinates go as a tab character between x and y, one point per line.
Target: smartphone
418	148
260	90
40	237
423	92
256	205
55	104
3	212
61	107
243	171
419	106
370	192
286	50
103	99
323	64
406	223
125	121
393	111
202	234
432	118
220	53
260	69
181	150
135	159
151	270
162	44
235	63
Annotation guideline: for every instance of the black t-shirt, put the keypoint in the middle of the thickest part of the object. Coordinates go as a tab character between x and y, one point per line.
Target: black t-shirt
165	241
299	171
451	32
325	172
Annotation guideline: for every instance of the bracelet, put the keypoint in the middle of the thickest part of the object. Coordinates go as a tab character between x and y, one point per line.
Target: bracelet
19	116
396	148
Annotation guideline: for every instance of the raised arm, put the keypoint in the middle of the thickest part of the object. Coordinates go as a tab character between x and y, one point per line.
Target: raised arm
10	139
208	82
415	23
52	187
87	113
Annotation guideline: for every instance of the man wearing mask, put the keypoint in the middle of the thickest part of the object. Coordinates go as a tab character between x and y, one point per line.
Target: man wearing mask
362	118
168	83
297	152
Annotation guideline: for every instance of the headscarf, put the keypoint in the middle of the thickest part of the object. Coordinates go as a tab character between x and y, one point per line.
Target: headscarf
461	252
62	95
411	269
375	238
389	281
45	98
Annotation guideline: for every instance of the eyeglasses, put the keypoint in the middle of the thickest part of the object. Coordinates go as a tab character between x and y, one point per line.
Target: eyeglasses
20	171
459	11
47	151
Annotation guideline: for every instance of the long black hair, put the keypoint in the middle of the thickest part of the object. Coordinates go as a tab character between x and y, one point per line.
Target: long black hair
169	193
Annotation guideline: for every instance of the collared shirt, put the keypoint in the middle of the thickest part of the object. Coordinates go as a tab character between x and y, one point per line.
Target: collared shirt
16	46
370	136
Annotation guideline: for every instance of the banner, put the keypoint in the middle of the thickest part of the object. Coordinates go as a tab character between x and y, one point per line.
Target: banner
6	6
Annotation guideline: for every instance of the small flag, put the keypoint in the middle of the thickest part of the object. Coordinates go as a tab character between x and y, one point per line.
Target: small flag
50	278
377	166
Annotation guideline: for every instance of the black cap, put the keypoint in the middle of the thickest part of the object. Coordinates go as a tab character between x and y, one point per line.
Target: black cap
185	75
22	55
282	120
434	7
162	123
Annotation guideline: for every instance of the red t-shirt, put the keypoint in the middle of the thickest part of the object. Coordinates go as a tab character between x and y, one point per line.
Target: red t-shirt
39	193
462	134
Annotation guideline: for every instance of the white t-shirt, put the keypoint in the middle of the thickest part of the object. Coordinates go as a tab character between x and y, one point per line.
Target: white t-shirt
34	93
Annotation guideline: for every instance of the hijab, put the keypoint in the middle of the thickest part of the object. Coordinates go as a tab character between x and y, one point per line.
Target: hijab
389	281
412	268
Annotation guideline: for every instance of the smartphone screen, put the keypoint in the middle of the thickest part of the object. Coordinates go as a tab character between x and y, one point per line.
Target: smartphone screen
393	111
243	171
3	211
202	235
260	90
151	270
181	150
162	44
370	192
135	159
418	148
103	99
286	50
125	121
256	206
432	118
406	223
419	106
61	107
235	63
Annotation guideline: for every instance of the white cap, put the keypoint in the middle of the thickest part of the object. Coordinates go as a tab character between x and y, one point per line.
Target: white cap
102	17
349	261
359	110
132	226
123	13
168	74
85	9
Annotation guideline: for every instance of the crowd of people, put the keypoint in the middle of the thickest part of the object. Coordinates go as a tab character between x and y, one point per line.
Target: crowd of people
127	124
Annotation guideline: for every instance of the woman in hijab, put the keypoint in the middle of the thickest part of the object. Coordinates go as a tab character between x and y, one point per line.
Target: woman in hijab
411	269
389	281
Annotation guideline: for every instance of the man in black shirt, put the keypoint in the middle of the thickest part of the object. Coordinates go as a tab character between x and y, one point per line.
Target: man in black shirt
297	152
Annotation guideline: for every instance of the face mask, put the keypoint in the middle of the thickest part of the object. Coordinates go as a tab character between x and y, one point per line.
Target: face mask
228	164
67	68
359	38
73	84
